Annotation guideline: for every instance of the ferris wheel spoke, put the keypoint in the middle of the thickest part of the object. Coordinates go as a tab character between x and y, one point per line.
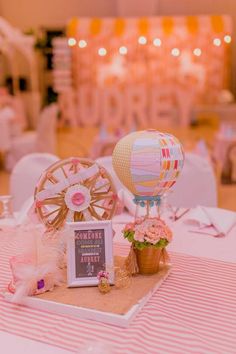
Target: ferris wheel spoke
64	172
102	195
101	187
60	216
100	206
78	216
62	219
55	200
74	167
109	189
51	213
94	213
105	199
91	181
52	178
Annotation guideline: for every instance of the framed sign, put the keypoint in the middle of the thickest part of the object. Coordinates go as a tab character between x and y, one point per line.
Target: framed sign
89	250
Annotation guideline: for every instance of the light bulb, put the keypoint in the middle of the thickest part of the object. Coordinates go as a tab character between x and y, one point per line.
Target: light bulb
197	52
123	50
102	52
227	38
142	40
175	52
82	43
217	42
157	42
71	42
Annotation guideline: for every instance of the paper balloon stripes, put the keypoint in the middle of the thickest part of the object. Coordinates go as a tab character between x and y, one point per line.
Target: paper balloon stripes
148	163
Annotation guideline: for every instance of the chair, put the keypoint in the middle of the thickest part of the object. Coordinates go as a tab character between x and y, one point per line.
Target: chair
43	140
196	184
25	175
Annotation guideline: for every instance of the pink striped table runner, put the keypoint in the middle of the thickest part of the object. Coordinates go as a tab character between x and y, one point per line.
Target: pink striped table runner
193	312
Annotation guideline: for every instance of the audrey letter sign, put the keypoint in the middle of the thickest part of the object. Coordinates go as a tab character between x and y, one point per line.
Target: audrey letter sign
89	250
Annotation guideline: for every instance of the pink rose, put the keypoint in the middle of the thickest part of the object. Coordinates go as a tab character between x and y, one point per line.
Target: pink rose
139	236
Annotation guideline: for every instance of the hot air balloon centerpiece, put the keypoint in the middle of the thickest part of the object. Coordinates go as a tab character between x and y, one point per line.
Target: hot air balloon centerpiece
148	164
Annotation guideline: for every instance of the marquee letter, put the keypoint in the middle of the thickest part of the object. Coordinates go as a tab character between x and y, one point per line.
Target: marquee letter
112	107
136	106
88	105
161	105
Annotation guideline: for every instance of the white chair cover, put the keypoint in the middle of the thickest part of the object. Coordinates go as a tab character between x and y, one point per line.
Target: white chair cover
196	184
46	131
20	146
43	140
25	175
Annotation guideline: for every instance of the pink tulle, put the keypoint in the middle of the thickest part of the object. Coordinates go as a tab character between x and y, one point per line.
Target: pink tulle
36	269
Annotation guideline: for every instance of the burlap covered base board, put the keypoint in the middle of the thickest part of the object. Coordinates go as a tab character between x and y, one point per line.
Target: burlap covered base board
117	301
119	307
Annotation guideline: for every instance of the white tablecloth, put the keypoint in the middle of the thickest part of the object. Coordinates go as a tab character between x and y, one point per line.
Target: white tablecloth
193	312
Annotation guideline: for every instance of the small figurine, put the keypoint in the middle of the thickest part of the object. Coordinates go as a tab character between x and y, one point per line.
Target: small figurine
103	284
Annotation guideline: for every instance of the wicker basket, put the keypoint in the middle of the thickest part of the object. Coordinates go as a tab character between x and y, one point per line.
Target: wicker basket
148	259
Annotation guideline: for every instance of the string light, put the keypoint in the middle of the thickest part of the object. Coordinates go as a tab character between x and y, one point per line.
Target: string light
71	42
82	43
142	40
157	42
217	42
227	38
175	52
197	52
102	52
123	50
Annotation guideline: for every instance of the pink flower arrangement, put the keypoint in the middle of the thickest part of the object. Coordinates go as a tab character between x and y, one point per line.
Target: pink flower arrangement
148	231
152	230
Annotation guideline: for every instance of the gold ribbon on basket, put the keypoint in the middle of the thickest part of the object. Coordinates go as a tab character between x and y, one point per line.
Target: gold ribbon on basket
131	263
146	261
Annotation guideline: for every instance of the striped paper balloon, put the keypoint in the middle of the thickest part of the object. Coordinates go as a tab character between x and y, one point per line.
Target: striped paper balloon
148	162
